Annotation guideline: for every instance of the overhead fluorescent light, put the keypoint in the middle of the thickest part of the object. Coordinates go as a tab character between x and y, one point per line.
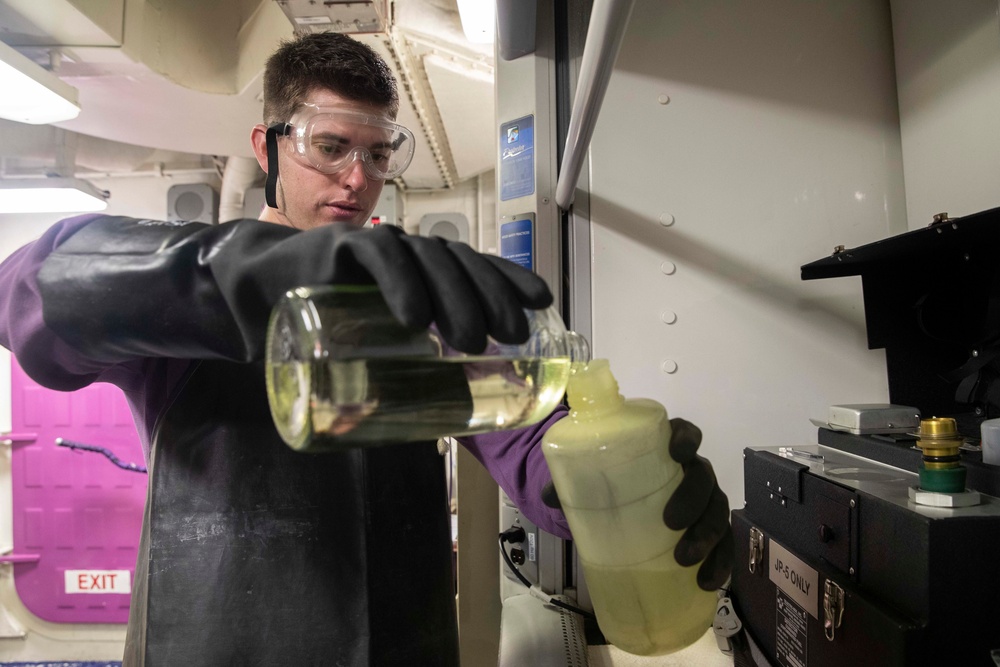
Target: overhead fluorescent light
51	195
32	94
478	19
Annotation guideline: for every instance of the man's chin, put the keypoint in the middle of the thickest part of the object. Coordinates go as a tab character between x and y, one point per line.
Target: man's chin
356	219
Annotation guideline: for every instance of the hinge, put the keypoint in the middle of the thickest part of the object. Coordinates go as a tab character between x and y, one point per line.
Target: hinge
833	607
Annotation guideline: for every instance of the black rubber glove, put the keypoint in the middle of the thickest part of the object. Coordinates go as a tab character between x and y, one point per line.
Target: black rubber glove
698	507
468	295
120	288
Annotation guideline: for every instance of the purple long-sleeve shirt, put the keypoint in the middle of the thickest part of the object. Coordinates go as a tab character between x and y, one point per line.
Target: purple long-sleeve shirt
513	458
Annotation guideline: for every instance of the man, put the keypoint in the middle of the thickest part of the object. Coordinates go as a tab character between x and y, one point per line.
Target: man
252	554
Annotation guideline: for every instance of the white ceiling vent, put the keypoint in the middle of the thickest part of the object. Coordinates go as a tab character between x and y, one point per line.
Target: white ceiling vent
347	16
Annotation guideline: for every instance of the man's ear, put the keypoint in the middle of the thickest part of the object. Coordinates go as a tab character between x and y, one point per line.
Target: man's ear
258	140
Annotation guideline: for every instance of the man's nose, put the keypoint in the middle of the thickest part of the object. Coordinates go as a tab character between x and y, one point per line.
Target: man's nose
354	174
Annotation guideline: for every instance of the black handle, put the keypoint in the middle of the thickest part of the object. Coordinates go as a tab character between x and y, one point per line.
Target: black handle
134	467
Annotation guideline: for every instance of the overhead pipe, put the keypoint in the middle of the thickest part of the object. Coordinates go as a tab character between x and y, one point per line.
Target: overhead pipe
608	20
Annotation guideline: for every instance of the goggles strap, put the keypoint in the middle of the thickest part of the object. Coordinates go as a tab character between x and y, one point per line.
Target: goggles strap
271	184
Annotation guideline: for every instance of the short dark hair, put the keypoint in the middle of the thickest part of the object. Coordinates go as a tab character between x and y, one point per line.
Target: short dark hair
325	60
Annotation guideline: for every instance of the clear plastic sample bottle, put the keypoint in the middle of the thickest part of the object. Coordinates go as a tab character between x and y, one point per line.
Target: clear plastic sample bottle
343	372
611	466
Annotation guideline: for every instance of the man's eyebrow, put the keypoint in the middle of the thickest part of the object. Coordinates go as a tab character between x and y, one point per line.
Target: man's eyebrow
331	137
334	138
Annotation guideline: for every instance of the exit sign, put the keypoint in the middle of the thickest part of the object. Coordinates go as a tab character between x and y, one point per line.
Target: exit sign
98	581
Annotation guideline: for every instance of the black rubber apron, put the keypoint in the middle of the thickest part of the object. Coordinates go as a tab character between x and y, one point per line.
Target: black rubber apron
253	554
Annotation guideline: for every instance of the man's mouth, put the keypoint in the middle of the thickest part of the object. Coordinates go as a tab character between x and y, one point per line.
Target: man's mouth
342	208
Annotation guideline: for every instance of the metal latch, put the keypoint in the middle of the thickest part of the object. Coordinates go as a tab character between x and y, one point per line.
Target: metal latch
756	549
833	607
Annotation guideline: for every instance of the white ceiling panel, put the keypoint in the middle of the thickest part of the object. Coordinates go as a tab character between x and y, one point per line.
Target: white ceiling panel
206	103
464	98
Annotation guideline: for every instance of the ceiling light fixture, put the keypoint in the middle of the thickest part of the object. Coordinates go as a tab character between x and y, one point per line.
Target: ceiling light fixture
478	18
32	94
51	195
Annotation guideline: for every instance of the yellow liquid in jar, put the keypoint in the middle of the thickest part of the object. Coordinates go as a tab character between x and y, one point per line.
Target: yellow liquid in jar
332	405
650	609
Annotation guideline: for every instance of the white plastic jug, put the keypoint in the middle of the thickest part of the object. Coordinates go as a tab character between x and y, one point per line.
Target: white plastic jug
612	470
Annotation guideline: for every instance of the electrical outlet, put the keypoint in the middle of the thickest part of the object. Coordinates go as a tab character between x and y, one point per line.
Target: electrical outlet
525	553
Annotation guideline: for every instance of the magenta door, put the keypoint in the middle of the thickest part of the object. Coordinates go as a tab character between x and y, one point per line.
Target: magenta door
77	516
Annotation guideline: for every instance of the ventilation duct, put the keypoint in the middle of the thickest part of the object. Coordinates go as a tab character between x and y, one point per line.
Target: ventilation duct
240	175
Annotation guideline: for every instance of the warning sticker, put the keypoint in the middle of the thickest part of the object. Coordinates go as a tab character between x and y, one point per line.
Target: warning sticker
517	242
791	637
799	581
517	158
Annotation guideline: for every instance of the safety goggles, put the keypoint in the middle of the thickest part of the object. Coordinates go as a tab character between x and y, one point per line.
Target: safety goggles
329	139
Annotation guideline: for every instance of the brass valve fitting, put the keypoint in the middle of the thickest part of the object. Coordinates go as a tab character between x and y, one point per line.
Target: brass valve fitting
941	469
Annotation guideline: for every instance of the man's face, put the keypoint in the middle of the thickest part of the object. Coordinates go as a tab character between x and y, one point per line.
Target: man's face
309	198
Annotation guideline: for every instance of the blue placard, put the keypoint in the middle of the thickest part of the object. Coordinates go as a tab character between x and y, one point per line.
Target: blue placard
517	158
517	242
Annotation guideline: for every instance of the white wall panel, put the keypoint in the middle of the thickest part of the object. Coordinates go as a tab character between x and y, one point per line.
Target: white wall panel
948	72
738	141
134	196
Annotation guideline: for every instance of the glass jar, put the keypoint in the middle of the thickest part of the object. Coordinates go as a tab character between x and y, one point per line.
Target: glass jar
343	372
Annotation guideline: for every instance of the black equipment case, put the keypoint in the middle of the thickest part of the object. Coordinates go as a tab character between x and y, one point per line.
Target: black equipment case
836	564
